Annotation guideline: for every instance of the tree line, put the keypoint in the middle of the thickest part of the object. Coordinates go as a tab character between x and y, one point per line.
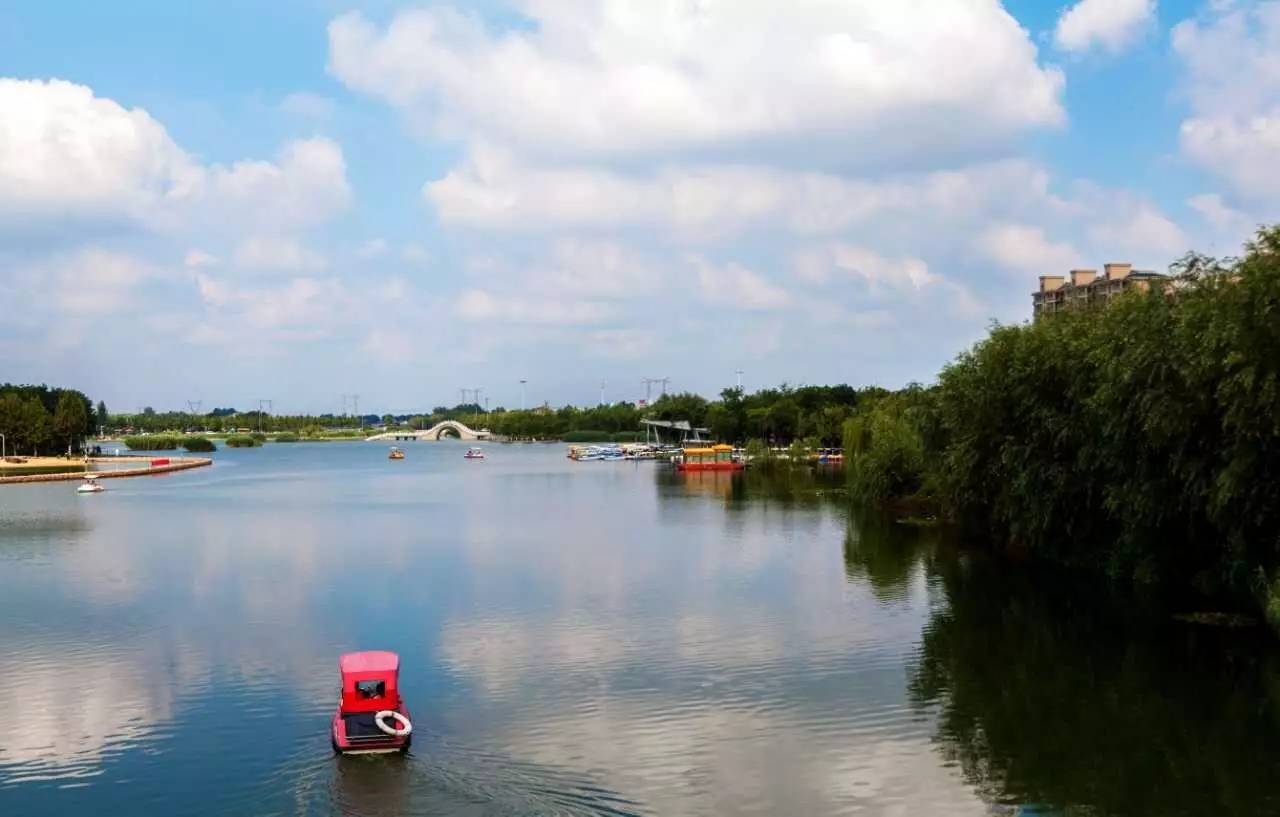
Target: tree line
776	416
40	419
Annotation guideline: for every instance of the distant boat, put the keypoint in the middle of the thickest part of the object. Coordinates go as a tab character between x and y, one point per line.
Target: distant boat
90	485
474	454
396	454
715	458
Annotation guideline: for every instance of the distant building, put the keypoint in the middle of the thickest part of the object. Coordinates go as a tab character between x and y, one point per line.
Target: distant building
1085	289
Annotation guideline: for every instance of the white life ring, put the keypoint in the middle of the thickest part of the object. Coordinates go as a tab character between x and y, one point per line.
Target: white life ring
405	726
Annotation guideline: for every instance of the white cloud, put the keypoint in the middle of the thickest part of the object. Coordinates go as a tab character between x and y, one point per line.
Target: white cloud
276	253
1142	235
65	153
1026	250
373	248
95	281
481	305
597	269
304	187
197	258
68	155
734	285
1108	24
414	254
628	77
622	344
1221	216
308	105
494	190
1233	84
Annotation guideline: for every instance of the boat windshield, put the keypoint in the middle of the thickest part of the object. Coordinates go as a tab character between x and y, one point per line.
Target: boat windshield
371	689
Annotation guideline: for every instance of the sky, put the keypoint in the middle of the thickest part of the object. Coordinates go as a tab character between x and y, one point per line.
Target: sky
235	201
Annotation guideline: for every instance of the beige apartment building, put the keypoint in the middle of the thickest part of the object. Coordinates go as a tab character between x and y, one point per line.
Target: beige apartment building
1085	288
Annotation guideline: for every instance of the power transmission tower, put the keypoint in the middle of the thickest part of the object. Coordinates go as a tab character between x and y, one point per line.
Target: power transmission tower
262	403
603	383
194	406
649	382
648	388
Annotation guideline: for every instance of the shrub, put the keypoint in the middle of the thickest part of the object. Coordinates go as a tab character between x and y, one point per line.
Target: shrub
287	437
241	441
259	437
759	454
152	442
198	444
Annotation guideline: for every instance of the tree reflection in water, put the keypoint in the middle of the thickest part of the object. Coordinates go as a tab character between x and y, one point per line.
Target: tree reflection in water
1048	691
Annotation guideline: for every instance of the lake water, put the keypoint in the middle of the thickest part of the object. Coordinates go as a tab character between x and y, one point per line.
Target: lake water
585	638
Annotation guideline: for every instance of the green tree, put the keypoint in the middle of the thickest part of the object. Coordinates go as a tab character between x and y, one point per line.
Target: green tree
103	419
36	427
70	419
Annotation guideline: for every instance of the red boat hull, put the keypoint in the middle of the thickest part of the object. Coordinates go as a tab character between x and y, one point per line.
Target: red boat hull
354	734
710	466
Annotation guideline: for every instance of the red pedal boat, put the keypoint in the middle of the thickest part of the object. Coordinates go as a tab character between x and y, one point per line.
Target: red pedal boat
371	716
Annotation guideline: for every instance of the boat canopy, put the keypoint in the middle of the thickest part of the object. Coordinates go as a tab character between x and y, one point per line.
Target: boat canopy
715	449
370	681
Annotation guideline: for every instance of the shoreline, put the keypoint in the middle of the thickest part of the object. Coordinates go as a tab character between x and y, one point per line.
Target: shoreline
175	464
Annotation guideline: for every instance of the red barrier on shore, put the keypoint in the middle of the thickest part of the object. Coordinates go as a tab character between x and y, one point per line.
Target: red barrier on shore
159	461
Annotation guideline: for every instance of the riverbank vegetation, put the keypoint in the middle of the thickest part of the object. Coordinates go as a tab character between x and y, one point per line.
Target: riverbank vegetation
1141	439
153	442
198	444
242	441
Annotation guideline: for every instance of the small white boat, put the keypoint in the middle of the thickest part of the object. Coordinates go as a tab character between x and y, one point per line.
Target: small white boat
474	453
90	486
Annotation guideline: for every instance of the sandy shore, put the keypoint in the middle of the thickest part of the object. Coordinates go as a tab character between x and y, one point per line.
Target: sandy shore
145	468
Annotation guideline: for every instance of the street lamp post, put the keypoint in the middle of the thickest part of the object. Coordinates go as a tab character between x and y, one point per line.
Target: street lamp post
2	447
738	372
522	382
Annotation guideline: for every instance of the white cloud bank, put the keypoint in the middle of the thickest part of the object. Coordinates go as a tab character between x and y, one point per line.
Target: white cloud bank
69	156
1111	25
1233	85
621	78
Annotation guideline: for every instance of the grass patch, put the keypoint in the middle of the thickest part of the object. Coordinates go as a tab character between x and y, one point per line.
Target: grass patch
34	470
242	441
153	442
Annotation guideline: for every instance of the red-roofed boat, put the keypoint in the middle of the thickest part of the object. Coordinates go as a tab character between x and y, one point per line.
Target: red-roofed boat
371	716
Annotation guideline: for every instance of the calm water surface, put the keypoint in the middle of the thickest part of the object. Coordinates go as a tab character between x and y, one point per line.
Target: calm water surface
594	638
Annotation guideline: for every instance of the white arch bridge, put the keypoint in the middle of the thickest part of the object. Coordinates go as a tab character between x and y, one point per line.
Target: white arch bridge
446	428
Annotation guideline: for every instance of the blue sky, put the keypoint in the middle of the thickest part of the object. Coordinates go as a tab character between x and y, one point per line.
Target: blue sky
230	201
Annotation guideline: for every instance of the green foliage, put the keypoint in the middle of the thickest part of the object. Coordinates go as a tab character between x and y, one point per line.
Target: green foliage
153	442
242	441
70	419
1143	438
586	436
287	437
797	453
27	419
759	454
200	444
